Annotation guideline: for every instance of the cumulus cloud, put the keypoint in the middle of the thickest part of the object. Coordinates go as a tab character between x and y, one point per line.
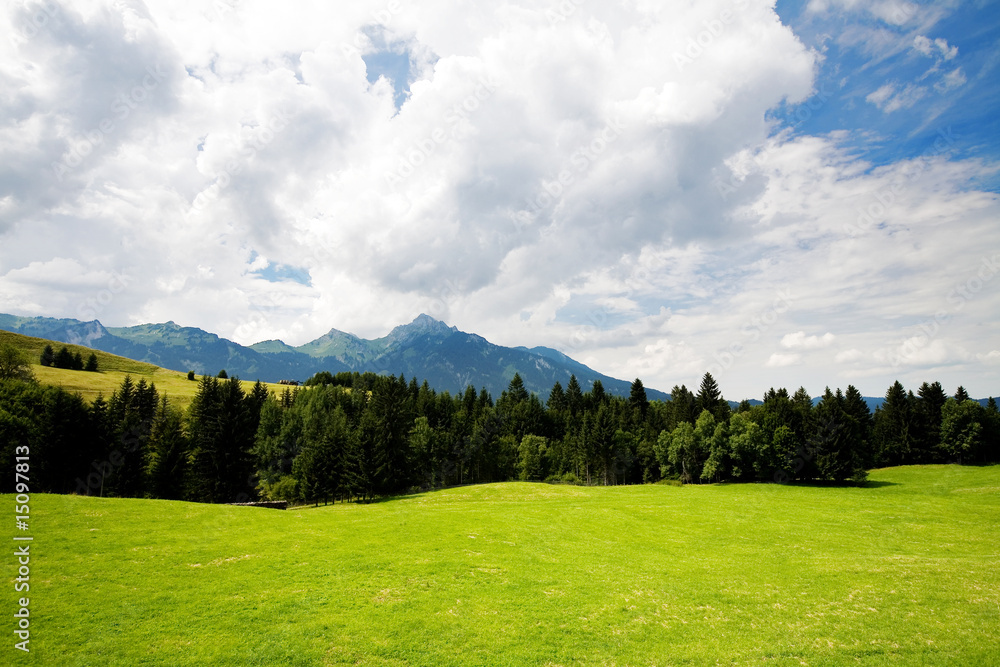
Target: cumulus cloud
937	48
799	341
777	360
849	356
552	175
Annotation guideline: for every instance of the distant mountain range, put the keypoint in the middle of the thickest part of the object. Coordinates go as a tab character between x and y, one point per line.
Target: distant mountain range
426	348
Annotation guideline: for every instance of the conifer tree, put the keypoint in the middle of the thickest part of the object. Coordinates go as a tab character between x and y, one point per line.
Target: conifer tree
892	428
63	358
637	399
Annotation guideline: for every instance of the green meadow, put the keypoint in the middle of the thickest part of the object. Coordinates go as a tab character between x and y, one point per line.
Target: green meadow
905	571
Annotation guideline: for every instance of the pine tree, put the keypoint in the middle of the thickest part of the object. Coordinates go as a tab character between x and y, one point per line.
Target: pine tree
557	398
91	366
393	419
961	394
63	358
927	423
574	396
530	461
637	398
131	411
991	432
683	403
48	356
597	395
168	450
515	390
222	437
77	362
710	398
833	443
860	425
892	426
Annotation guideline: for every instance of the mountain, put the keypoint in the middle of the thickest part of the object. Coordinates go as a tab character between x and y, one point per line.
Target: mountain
425	348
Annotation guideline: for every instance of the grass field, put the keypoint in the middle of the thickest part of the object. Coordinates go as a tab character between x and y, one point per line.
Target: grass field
112	370
906	571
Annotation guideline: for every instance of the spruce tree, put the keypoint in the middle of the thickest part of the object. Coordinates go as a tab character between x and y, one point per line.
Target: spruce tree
709	396
892	428
637	398
63	358
927	423
48	356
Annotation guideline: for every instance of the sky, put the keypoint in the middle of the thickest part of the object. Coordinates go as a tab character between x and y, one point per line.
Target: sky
784	195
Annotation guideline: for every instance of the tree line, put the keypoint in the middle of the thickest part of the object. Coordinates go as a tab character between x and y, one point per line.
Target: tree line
356	436
68	360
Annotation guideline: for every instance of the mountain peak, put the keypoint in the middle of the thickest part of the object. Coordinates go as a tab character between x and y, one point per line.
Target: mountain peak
424	323
423	320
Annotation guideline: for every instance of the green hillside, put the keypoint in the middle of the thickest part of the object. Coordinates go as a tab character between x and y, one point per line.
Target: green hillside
905	572
112	370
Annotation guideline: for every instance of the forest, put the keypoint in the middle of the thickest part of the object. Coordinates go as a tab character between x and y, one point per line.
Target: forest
360	437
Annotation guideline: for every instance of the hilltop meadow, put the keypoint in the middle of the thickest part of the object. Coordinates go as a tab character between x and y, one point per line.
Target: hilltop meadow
112	372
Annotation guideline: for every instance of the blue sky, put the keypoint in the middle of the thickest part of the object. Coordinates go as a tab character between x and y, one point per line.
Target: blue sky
882	53
793	194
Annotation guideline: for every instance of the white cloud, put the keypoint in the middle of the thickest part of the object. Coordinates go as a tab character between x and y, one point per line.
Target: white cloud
938	49
947	52
799	341
777	360
849	356
924	45
882	95
892	12
889	98
950	81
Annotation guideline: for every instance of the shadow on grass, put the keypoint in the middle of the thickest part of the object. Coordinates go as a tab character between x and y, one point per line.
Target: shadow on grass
869	484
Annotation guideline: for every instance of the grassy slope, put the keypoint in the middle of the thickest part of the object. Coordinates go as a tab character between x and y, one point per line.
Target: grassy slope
906	571
113	370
